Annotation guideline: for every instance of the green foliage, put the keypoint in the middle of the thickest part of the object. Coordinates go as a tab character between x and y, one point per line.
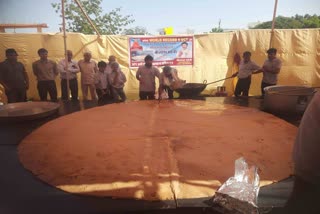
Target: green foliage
135	31
294	22
109	23
216	30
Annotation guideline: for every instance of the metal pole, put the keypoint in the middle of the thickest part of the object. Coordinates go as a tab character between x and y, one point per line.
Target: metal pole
273	23
65	45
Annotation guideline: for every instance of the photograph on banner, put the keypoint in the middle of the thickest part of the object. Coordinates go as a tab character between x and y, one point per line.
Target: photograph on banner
174	51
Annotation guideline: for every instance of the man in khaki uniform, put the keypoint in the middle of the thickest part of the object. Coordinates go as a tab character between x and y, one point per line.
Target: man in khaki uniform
88	68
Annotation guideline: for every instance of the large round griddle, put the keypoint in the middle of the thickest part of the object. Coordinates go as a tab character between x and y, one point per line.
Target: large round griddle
27	111
157	151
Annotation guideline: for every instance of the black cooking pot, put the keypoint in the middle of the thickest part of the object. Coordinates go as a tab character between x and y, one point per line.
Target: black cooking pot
191	89
194	89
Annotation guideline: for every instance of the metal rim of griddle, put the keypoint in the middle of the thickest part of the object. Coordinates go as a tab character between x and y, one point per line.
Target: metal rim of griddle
285	90
24	111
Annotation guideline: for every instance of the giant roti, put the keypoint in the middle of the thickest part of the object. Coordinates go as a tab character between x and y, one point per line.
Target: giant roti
157	151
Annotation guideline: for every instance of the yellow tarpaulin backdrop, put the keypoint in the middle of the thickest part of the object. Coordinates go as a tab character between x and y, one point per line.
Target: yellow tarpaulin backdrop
299	50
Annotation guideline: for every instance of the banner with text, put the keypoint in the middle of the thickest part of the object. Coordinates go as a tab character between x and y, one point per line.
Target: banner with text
171	50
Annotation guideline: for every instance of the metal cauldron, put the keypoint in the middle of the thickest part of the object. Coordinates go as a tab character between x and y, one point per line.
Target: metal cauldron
194	89
287	99
191	89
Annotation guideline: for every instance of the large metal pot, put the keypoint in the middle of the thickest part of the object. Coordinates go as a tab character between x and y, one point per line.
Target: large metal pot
194	89
191	89
287	99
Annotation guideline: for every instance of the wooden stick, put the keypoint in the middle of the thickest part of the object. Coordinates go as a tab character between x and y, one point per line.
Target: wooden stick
65	45
218	80
273	23
87	17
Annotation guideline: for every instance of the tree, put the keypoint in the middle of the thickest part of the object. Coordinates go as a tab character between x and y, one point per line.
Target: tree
294	22
217	29
136	31
109	23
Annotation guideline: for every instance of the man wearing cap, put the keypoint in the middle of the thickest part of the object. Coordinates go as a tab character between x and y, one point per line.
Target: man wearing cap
46	71
146	75
71	69
271	69
14	78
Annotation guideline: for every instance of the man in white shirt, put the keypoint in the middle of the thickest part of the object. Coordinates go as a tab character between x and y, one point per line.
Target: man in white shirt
69	71
246	68
271	69
117	79
146	75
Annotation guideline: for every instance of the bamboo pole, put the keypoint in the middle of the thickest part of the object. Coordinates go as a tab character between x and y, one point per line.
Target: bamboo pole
87	17
65	45
273	23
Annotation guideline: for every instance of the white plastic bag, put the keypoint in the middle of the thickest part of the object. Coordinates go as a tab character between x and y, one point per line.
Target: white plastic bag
240	193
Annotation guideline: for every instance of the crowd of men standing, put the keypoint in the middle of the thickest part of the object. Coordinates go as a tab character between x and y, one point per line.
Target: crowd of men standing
105	81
